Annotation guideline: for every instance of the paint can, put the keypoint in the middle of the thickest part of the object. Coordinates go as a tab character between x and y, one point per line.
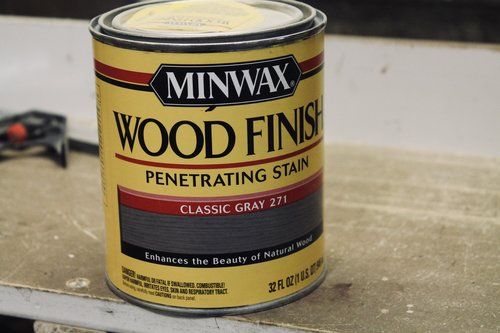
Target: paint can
210	121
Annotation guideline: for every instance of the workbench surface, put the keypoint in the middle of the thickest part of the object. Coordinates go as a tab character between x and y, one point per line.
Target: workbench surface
413	245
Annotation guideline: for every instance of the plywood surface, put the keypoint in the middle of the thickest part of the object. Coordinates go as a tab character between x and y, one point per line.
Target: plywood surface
413	244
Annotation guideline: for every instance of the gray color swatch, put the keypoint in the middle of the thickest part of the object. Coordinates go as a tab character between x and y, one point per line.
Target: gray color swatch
221	234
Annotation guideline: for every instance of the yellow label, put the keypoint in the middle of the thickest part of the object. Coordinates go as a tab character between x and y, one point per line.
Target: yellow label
212	172
195	16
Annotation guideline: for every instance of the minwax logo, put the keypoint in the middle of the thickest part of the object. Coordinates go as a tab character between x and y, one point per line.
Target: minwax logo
226	84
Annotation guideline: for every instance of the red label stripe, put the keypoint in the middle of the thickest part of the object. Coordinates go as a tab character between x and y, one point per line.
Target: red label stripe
144	78
312	63
219	206
219	165
122	74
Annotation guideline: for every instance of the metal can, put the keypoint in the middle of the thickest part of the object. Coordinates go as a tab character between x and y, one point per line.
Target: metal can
210	121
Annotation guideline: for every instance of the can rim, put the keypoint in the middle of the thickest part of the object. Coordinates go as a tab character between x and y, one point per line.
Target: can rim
105	23
111	21
208	45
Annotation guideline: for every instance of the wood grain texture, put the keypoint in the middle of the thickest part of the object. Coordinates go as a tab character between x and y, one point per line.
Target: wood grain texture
412	242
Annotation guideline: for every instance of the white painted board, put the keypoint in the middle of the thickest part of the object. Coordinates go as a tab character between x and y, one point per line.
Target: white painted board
399	93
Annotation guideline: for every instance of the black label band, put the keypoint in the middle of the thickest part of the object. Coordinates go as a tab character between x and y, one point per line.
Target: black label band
222	259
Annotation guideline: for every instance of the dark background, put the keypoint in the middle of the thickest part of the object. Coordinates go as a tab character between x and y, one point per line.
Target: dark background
456	20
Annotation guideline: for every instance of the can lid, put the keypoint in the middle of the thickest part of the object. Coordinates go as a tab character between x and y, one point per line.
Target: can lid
195	19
